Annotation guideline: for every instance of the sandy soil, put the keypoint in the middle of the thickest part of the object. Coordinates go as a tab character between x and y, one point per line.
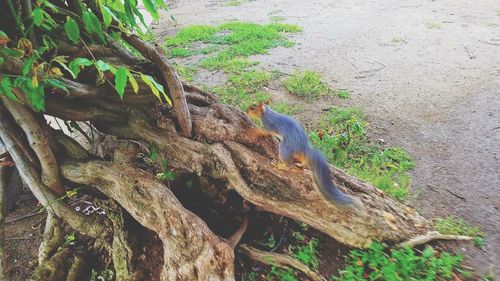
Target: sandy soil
427	73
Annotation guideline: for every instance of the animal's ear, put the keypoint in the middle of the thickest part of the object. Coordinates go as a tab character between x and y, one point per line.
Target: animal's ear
267	102
261	106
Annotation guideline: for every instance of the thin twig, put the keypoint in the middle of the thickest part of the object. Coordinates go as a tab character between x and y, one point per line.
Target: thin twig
24	217
19	238
352	64
489	43
236	237
454	194
95	60
174	84
469	53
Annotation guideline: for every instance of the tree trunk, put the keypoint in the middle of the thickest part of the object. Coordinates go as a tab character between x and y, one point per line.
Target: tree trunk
220	151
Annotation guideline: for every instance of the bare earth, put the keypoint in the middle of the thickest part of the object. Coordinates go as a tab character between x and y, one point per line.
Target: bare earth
427	74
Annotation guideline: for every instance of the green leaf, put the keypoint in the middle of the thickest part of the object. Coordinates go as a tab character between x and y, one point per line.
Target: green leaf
147	79
6	88
36	97
72	30
164	164
121	80
151	8
106	14
28	65
12	52
37	16
56	84
155	87
133	82
102	66
129	12
77	64
153	152
93	25
1	60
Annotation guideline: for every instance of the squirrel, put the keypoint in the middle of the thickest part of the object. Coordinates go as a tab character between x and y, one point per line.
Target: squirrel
294	146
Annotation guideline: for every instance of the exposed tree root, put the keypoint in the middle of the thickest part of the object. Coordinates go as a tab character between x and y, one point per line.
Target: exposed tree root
38	142
236	237
220	151
432	235
191	250
279	260
93	226
52	238
174	83
54	268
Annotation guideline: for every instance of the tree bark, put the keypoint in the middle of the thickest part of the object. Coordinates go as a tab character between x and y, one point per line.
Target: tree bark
220	151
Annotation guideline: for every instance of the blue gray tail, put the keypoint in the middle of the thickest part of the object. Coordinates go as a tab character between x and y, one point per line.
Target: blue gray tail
321	176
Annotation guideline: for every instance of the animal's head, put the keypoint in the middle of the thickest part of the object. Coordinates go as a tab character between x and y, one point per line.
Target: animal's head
256	111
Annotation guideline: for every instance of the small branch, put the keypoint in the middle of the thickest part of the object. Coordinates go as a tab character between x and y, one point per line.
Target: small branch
280	260
173	81
432	235
94	226
489	43
38	142
52	238
469	53
24	217
236	237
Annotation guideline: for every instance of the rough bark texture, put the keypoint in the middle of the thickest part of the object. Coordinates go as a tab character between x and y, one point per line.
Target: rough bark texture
212	142
191	250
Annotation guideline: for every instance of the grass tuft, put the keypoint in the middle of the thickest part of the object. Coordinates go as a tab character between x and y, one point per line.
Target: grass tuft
344	142
244	89
191	34
227	47
306	84
343	94
287	108
186	72
457	226
379	263
433	25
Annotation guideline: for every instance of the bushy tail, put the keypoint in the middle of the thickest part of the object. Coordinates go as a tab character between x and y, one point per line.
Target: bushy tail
321	175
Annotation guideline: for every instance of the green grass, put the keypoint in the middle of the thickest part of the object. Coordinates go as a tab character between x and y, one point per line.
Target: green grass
306	84
180	52
433	25
457	226
232	39
244	89
235	2
279	274
227	47
307	254
379	263
190	34
187	73
287	108
343	94
345	145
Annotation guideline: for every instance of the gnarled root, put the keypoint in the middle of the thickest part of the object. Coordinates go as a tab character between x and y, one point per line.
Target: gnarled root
279	260
430	236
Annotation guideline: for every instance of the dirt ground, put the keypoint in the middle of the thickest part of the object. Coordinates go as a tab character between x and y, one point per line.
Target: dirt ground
427	74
